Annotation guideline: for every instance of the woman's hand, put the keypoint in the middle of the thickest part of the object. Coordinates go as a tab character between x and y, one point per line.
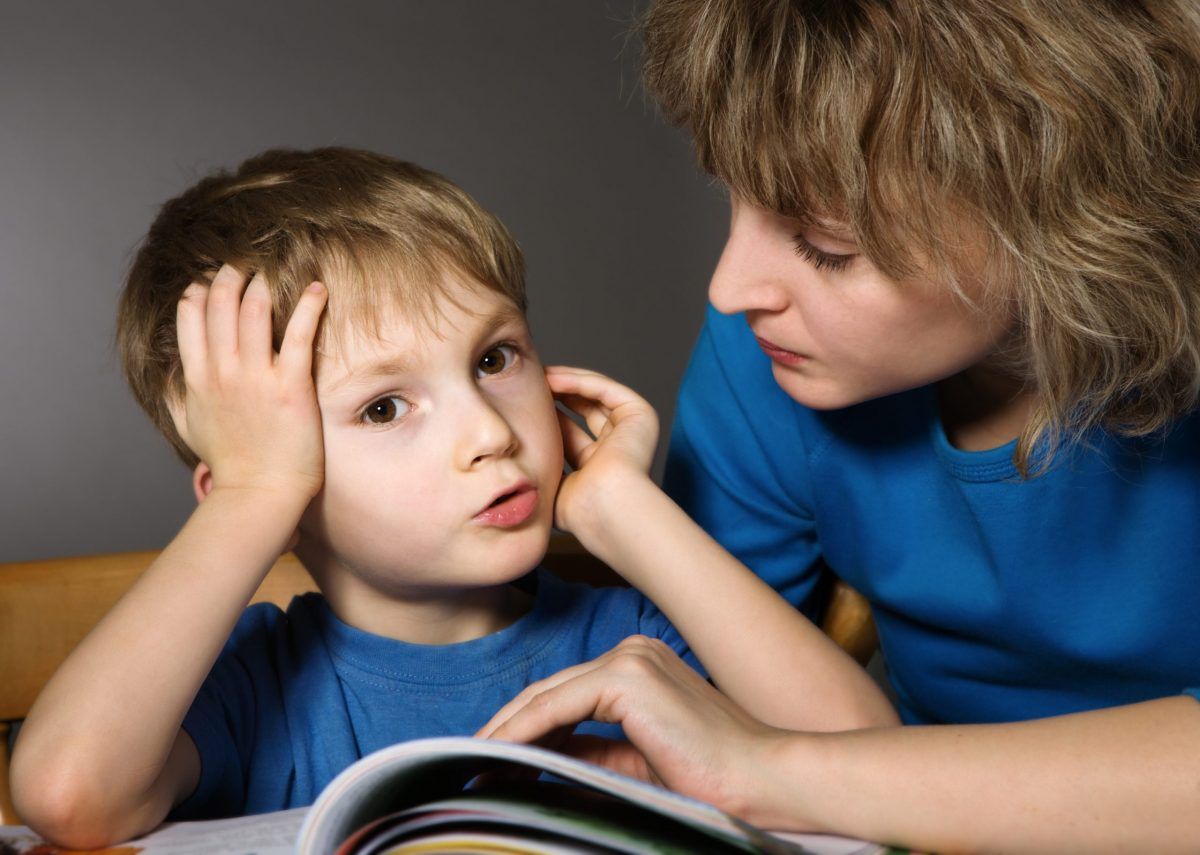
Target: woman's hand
619	443
248	413
683	734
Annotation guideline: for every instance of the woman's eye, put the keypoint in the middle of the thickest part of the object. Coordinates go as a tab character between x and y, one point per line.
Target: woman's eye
496	360
385	410
820	259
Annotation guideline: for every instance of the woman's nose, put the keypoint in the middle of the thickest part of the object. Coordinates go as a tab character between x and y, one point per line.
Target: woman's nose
748	275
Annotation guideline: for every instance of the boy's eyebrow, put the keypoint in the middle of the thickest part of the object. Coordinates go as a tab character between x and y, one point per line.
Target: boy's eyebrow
368	374
395	365
501	317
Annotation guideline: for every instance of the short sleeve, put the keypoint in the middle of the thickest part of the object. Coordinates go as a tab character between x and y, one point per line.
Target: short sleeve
737	461
222	719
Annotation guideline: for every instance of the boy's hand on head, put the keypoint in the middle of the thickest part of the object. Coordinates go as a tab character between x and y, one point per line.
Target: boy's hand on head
249	413
619	443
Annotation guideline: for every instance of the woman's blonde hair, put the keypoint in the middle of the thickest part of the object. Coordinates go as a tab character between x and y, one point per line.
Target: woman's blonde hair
385	231
1065	132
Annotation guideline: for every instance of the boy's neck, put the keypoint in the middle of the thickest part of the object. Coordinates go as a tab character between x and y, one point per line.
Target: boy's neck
428	617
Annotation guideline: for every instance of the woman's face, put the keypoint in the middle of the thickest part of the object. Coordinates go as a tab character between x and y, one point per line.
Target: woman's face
837	330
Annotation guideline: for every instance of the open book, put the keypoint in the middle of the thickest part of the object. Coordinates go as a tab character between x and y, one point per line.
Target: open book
420	797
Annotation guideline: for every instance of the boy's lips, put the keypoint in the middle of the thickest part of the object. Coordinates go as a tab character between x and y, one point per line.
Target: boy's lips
777	353
510	508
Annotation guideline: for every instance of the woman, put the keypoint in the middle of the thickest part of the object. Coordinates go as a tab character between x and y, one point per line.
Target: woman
953	356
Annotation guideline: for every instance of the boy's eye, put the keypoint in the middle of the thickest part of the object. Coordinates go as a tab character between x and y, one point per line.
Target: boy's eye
385	410
496	360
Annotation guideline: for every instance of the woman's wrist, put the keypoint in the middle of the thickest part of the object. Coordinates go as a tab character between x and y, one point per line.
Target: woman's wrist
783	773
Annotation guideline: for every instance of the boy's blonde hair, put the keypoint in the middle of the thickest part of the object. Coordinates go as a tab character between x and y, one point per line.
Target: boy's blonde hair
1066	133
385	231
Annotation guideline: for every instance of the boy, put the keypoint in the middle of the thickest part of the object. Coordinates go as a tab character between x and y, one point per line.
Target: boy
414	466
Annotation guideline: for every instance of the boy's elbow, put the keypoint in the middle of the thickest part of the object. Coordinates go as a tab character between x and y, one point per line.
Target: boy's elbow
72	809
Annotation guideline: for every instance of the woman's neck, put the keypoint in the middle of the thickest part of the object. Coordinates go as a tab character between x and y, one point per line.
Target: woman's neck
983	408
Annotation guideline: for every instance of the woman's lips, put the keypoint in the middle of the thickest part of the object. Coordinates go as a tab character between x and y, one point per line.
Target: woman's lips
511	511
777	353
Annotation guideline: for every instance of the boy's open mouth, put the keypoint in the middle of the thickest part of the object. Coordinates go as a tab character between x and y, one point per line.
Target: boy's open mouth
510	508
500	500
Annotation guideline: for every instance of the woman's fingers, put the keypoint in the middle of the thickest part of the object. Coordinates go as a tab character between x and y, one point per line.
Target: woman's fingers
296	351
591	691
534	689
565	705
615	754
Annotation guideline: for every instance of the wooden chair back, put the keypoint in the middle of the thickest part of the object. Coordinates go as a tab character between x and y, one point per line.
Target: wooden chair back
47	607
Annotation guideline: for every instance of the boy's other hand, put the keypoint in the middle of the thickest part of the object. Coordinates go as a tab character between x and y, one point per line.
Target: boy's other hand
621	436
249	413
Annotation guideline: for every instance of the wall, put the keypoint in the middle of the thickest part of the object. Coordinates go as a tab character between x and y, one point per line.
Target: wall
107	109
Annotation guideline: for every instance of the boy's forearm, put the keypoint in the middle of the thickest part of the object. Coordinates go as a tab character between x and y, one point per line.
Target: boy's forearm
1122	779
758	649
104	726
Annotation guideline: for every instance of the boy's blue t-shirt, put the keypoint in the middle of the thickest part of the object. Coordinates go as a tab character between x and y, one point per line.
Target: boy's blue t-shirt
296	697
996	599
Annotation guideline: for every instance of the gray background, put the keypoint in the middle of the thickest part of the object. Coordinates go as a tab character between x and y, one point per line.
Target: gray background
108	109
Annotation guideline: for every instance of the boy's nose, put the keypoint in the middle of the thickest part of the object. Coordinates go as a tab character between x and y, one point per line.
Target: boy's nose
749	275
485	434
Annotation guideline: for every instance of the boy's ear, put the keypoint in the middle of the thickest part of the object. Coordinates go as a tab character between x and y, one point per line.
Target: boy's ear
202	481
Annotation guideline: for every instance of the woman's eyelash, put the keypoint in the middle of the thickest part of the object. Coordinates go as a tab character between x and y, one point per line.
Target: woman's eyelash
819	259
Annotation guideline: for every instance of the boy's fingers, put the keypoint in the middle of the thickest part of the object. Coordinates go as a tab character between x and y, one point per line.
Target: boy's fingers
296	351
596	416
254	323
189	329
575	439
579	402
588	384
224	304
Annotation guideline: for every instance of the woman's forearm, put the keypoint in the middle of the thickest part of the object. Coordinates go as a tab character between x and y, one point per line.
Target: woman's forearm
1123	779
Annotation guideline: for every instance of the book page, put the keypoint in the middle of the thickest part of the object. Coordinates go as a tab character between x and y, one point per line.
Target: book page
410	773
265	834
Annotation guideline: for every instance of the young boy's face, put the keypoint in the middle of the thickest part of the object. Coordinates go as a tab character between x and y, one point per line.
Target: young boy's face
443	452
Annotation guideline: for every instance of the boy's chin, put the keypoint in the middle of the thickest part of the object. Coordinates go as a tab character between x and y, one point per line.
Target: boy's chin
522	554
